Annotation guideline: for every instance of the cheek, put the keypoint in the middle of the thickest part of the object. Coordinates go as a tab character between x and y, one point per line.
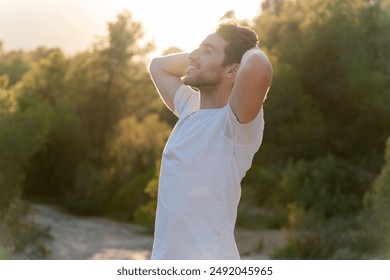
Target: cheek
214	70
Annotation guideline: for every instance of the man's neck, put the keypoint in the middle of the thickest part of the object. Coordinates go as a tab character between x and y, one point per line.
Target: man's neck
218	99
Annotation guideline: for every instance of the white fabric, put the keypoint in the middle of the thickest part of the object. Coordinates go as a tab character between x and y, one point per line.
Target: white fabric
204	160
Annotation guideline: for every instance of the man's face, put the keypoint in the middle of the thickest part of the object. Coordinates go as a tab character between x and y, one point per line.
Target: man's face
206	63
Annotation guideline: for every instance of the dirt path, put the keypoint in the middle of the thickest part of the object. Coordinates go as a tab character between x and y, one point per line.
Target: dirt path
86	238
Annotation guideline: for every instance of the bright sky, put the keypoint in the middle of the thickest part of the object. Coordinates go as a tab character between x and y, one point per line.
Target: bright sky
73	24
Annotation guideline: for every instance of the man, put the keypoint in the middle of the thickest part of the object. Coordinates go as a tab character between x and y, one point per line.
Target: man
219	130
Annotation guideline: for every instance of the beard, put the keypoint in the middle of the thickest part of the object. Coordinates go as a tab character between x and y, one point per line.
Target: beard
206	84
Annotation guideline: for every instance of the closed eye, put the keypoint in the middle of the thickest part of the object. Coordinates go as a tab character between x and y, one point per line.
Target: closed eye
207	48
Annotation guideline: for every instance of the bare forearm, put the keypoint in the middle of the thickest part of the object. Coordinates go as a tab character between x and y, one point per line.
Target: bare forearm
166	72
173	64
251	85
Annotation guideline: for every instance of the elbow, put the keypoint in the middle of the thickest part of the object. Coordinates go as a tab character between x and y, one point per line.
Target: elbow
153	66
257	59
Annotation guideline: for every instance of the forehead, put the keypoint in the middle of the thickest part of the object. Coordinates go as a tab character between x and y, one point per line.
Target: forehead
215	41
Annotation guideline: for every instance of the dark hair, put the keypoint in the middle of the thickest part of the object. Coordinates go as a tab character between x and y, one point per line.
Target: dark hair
239	38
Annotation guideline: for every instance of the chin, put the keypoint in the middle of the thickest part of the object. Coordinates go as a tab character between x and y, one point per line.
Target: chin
187	81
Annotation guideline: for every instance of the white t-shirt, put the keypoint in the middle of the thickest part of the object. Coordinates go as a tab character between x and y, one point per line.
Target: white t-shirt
203	163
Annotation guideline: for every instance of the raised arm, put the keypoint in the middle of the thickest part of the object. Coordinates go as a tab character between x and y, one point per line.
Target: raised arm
166	72
251	84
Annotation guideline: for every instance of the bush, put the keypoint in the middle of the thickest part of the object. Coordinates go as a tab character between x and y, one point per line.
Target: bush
257	207
260	182
323	199
313	239
326	187
23	131
4	255
89	194
130	197
377	201
146	213
19	234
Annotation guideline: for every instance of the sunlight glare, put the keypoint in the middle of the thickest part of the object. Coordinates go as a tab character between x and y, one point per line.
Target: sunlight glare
184	24
72	25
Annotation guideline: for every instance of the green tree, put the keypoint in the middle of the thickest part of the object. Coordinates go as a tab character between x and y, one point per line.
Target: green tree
107	82
133	153
323	50
146	213
110	86
14	64
378	209
326	116
23	131
51	170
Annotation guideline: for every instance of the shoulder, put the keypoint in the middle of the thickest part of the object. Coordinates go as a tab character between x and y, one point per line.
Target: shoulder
240	133
186	101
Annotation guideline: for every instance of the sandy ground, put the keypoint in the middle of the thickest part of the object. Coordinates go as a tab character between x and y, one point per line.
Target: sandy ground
86	238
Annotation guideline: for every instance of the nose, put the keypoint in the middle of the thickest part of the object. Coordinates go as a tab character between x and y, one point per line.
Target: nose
193	54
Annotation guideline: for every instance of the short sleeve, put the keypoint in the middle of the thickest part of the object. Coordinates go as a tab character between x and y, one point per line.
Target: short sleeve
186	101
246	138
244	134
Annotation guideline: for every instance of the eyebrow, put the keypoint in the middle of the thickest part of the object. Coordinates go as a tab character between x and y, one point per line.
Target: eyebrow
207	45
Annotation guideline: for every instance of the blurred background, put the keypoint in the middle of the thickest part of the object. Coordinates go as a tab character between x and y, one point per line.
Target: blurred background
82	127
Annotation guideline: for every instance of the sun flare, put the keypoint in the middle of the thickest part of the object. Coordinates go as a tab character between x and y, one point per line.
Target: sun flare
72	25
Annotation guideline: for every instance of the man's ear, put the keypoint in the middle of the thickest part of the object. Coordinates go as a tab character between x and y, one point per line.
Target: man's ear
231	70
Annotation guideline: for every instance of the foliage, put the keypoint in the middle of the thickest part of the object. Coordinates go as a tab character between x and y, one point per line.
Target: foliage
20	234
326	187
14	65
326	80
146	214
133	149
109	83
360	236
56	161
130	197
87	131
23	131
99	101
377	206
88	194
326	119
323	199
59	128
109	87
4	255
311	239
259	189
